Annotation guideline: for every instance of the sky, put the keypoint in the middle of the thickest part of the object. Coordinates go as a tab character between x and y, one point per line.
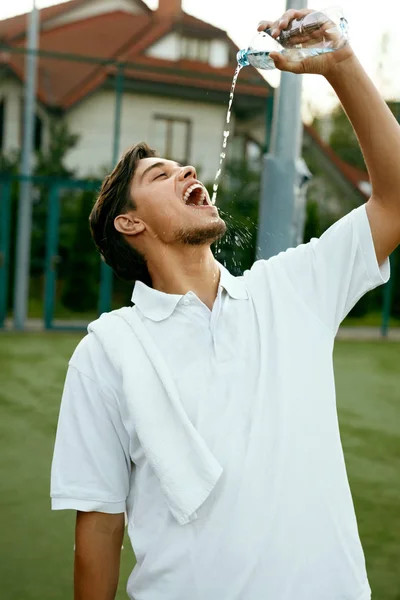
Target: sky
368	29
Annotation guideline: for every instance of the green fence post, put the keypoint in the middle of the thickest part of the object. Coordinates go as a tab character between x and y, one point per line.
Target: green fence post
5	224
387	301
53	217
106	274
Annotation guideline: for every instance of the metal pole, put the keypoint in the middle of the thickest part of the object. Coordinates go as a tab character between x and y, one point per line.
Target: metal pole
276	231
119	94
106	273
23	250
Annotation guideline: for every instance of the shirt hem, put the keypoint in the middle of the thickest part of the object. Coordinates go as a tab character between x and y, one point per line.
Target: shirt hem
365	594
112	508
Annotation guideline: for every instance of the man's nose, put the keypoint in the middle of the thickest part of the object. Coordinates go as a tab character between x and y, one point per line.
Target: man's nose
188	172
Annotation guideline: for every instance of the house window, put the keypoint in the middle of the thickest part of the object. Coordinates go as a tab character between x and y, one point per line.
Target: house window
37	128
2	123
172	138
195	49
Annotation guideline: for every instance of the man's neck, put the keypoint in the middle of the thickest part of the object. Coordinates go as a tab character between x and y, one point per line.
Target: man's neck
193	268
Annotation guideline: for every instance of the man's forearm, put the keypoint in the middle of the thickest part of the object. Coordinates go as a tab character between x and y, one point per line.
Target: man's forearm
377	130
98	544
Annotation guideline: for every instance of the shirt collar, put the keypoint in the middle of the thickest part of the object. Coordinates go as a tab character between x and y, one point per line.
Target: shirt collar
233	285
157	306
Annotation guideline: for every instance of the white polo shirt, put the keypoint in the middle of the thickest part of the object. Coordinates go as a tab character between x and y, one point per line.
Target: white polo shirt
255	377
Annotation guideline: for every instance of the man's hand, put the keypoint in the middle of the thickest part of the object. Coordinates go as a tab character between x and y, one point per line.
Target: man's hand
323	64
376	128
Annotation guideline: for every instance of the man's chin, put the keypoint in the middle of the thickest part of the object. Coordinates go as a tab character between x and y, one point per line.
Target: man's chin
206	234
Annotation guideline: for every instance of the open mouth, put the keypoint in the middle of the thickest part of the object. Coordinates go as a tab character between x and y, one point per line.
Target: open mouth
196	195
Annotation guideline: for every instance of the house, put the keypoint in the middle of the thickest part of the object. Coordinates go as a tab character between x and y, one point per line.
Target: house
352	182
176	83
176	86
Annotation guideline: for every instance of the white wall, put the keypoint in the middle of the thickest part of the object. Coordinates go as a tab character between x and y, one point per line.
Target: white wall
168	48
11	91
94	120
219	54
94	8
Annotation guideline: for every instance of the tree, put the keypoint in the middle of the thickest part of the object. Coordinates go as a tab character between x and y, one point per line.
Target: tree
9	164
82	265
50	162
313	221
344	141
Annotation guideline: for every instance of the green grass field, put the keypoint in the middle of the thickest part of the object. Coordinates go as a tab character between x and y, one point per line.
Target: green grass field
37	545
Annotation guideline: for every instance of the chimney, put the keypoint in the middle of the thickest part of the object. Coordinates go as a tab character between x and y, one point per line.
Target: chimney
169	8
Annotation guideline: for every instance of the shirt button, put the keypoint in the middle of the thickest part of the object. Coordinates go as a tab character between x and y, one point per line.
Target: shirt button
186	302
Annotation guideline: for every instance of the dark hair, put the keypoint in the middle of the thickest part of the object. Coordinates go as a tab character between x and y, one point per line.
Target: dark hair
115	199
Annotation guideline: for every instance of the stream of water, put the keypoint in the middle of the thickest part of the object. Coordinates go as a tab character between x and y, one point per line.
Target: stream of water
222	156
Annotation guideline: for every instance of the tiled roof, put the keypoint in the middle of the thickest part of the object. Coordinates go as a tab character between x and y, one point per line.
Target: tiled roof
124	37
58	79
192	22
16	26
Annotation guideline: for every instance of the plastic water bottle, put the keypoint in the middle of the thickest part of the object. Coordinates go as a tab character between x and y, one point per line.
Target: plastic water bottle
317	33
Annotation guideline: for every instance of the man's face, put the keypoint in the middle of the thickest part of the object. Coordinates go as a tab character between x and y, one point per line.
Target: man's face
173	204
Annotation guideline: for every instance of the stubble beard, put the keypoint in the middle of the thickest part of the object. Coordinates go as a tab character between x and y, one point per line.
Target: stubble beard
202	235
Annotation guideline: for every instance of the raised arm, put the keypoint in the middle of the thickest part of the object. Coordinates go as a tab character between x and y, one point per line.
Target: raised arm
98	541
376	128
379	135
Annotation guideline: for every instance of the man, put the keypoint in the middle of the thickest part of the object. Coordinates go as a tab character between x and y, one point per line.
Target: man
217	434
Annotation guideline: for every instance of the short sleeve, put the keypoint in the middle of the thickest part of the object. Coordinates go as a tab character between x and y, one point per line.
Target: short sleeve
91	466
333	272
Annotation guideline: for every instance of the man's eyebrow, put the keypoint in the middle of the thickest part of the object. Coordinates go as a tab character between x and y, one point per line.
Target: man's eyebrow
155	166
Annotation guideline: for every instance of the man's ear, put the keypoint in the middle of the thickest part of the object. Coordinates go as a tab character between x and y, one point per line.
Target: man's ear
128	224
